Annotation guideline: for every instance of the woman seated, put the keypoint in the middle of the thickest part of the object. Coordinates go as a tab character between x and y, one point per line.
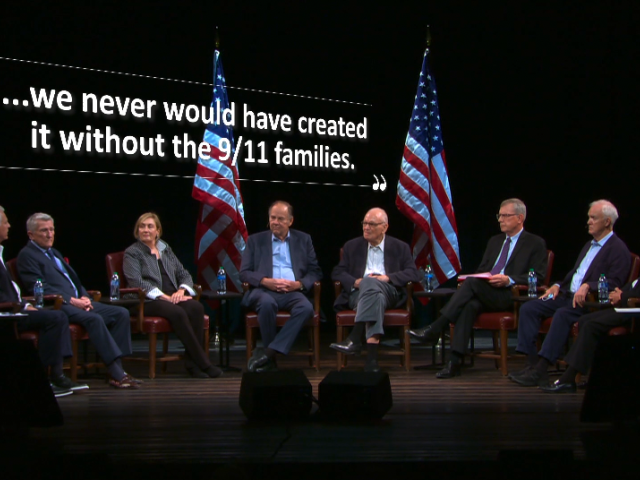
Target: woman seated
151	265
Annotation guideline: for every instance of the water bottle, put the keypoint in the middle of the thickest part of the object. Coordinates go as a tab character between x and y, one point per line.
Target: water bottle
428	279
38	293
533	284
222	281
115	287
603	289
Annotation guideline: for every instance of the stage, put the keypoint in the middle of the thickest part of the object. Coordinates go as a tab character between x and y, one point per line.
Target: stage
477	422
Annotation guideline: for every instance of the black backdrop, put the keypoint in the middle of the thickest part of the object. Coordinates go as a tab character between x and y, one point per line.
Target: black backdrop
538	100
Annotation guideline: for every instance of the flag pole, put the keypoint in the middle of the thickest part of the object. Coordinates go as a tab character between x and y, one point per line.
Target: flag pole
215	55
431	236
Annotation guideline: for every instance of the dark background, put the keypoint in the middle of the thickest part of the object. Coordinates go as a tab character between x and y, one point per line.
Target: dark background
538	100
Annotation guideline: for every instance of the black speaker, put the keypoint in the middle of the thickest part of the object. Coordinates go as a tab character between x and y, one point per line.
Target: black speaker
355	394
613	391
284	394
28	400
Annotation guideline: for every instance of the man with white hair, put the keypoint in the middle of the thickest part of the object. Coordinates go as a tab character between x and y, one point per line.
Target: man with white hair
374	271
604	254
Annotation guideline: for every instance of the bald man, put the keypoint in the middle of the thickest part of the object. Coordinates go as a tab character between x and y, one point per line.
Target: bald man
374	271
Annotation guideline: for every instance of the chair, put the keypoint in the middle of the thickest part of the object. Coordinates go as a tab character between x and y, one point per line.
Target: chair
78	332
501	323
313	329
399	318
151	326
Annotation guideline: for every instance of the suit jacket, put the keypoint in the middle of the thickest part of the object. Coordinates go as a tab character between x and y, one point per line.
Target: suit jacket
140	267
613	259
398	264
33	264
529	252
629	291
257	260
7	291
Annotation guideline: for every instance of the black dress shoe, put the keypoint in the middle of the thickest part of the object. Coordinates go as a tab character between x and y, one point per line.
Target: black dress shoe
531	378
557	387
450	370
426	334
347	347
270	366
195	372
257	361
520	372
372	366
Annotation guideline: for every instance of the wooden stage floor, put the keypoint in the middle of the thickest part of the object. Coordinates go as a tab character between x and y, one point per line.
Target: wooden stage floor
444	426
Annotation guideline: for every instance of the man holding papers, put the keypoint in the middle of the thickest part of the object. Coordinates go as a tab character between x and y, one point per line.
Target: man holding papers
506	261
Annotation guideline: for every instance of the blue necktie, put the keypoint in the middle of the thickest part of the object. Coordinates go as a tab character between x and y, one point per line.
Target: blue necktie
502	261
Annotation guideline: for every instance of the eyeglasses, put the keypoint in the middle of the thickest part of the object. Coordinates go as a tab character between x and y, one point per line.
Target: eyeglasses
505	215
371	224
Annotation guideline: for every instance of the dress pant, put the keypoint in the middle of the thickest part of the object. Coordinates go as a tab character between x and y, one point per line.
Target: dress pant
108	327
54	339
473	297
531	316
591	329
370	301
266	303
187	321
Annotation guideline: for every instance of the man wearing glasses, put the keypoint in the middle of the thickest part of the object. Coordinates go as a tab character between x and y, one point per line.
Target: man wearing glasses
373	270
507	260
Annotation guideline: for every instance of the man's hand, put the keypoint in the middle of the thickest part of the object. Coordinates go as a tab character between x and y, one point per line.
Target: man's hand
552	290
31	308
581	295
615	297
83	303
356	284
499	281
281	285
377	276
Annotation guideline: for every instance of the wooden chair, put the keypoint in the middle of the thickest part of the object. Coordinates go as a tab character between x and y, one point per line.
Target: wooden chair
77	332
399	318
501	323
147	325
313	329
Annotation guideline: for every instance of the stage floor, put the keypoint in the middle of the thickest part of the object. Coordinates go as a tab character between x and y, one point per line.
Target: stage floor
174	420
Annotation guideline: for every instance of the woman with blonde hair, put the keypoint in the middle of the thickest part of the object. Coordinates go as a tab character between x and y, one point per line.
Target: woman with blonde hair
151	265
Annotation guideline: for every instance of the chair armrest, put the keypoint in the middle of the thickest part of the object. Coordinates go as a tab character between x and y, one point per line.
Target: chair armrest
198	289
409	305
337	288
10	307
245	287
316	297
633	302
56	300
95	294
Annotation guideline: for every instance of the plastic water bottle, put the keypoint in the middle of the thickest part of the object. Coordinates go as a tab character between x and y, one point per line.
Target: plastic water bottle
533	284
428	279
222	281
38	293
115	287
603	289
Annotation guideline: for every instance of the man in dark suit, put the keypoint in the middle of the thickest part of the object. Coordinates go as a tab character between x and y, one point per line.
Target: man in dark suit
107	325
54	341
591	329
508	259
605	254
374	270
280	264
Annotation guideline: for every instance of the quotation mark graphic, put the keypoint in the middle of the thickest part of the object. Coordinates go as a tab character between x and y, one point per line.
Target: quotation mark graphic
377	185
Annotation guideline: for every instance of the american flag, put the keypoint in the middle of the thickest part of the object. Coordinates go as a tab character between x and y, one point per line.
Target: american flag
424	195
221	233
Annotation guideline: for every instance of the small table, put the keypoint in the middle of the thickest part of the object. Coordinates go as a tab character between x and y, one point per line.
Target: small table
437	295
222	327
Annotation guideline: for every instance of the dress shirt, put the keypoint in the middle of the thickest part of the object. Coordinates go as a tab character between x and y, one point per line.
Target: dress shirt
514	240
595	247
282	267
375	259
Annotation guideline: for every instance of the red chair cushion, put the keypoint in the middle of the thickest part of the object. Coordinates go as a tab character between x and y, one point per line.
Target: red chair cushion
151	325
78	332
495	321
619	331
30	335
392	318
545	325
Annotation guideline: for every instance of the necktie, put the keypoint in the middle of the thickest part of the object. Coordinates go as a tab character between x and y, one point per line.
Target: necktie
502	261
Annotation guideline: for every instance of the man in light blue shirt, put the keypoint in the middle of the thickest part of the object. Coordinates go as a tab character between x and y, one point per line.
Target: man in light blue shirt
604	254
